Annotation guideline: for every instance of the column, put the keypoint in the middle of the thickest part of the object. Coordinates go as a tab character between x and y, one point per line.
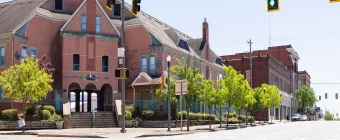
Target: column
77	100
98	100
280	108
89	103
82	100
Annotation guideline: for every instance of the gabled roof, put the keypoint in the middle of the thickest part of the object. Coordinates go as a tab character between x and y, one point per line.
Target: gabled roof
16	13
144	79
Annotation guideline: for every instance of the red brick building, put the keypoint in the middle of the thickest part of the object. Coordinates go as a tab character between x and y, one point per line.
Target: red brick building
81	37
276	66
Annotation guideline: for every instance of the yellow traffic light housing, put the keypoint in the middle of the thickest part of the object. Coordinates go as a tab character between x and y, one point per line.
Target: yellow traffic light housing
332	1
325	95
135	7
336	96
108	4
273	5
119	73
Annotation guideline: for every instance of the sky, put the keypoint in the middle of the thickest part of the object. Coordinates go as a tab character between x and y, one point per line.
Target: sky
312	27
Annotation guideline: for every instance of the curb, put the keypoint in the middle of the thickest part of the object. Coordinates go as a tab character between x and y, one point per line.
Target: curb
19	133
70	136
165	134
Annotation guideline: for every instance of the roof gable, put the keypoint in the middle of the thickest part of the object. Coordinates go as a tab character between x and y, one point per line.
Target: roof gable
74	23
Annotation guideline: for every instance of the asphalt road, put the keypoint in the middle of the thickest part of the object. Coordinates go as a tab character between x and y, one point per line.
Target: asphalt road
320	130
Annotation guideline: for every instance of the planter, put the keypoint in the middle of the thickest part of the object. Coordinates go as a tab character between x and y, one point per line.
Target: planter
59	124
157	124
131	123
30	125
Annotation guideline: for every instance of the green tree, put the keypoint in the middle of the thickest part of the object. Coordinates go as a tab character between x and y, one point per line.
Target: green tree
265	99
305	97
274	97
259	97
328	116
207	94
184	70
232	81
220	94
25	81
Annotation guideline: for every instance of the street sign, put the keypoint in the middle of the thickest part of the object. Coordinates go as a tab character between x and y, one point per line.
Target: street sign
181	88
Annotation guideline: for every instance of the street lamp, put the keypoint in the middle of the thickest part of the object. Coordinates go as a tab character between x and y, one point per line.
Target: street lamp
220	85
281	107
168	59
291	105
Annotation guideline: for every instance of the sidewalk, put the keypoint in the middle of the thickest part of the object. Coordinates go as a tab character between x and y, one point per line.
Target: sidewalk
131	132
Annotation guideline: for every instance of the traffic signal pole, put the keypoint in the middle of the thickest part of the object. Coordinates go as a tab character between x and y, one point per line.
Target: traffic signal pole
123	66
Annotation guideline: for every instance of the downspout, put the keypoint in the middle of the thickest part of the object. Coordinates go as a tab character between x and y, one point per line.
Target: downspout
134	94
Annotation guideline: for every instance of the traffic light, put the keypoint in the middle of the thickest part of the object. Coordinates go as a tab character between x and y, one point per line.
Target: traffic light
135	7
336	96
319	97
325	95
118	73
108	4
273	5
331	1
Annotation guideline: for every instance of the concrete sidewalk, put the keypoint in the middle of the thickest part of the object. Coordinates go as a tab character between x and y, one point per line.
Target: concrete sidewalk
131	132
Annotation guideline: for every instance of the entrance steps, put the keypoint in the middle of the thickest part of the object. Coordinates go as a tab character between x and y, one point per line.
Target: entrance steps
84	120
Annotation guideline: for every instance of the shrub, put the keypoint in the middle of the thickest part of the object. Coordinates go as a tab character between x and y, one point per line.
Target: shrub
9	115
56	117
173	106
328	116
251	119
129	108
184	115
30	111
230	115
136	112
148	114
49	108
45	114
233	120
160	116
128	115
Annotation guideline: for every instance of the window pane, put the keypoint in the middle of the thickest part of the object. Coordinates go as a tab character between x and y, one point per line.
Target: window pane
2	92
105	64
33	53
152	64
76	62
83	28
98	20
83	19
97	29
144	64
23	52
2	51
109	97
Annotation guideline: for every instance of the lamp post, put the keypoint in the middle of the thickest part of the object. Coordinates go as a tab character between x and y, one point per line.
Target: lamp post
291	105
269	109
168	59
281	107
220	77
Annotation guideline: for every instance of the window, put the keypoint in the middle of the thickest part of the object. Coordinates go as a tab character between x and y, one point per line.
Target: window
2	92
202	71
116	10
23	52
210	75
2	56
105	63
152	64
98	24
83	23
75	62
33	53
144	64
58	4
109	97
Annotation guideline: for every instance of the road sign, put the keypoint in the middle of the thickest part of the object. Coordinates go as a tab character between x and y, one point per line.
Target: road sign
181	86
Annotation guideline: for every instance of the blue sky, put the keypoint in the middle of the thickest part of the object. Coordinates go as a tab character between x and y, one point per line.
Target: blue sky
312	27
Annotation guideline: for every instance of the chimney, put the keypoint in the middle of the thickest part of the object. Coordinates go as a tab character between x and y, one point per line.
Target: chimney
206	39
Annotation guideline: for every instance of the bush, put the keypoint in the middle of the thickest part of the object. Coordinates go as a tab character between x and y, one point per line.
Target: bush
56	117
230	115
160	116
328	116
129	108
30	111
136	112
45	115
9	115
251	119
49	108
233	120
184	115
197	116
148	114
128	115
173	106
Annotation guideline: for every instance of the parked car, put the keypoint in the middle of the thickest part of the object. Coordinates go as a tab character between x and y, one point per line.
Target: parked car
304	118
296	117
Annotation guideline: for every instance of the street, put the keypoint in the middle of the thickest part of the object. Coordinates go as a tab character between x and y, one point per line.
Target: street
321	130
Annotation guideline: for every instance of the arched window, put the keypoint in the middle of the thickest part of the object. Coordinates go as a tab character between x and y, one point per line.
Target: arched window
76	62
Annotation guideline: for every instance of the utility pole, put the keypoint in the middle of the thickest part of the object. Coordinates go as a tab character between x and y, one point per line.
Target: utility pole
251	63
123	66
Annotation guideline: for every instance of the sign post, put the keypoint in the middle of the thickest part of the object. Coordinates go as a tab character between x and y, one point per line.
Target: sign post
181	88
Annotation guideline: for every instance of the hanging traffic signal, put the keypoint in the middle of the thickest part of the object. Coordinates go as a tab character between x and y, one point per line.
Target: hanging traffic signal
325	95
331	1
135	7
336	96
108	4
319	97
118	73
273	5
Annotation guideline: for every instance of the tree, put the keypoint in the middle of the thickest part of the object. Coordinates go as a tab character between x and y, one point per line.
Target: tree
265	99
233	84
220	94
207	94
274	98
258	96
184	70
26	80
305	97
